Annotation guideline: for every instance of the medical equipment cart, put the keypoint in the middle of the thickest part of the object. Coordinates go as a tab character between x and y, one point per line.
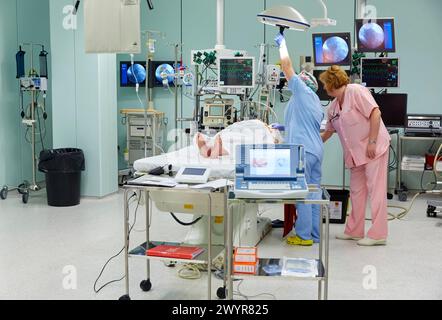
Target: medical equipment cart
402	195
138	129
323	199
186	200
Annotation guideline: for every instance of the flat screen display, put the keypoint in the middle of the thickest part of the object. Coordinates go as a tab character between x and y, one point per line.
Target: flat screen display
129	76
380	73
160	69
376	35
236	72
194	172
393	108
216	111
270	162
332	49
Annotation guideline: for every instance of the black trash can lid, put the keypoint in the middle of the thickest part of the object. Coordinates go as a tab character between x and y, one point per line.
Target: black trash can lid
62	160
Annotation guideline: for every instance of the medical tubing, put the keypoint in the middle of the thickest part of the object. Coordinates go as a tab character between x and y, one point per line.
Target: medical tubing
116	255
185	223
271	109
39	129
406	211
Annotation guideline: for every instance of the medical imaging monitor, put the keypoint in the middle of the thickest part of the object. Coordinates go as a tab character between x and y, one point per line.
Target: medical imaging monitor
332	49
376	35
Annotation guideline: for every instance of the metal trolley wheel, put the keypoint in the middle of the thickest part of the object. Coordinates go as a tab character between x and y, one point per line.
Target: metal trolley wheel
4	193
431	212
25	197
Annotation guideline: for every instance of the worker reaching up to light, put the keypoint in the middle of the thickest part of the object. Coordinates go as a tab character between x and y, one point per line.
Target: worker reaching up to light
303	118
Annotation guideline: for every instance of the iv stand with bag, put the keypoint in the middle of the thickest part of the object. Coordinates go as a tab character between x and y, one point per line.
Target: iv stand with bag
35	85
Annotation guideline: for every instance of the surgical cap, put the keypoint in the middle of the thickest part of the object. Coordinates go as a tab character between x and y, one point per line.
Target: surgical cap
309	80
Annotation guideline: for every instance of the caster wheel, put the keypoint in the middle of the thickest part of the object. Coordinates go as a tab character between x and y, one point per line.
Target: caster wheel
221	292
430	211
146	285
25	197
403	197
4	193
124	298
22	188
171	264
389	196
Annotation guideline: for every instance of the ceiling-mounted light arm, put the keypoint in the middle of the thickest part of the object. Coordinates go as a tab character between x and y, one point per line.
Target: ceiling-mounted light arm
282	29
325	9
325	21
150	4
77	4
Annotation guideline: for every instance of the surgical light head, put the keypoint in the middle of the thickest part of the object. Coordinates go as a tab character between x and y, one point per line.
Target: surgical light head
284	17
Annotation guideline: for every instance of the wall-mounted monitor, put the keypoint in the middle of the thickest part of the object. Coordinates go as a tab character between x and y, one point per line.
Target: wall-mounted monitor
393	108
376	35
157	70
332	49
129	76
380	72
236	72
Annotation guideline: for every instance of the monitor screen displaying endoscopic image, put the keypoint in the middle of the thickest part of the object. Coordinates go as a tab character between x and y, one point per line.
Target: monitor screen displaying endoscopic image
332	49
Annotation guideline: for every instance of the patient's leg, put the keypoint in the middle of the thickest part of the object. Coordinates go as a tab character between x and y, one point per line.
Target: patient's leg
218	149
204	150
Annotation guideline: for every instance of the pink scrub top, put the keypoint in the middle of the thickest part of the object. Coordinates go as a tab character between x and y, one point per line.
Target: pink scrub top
353	126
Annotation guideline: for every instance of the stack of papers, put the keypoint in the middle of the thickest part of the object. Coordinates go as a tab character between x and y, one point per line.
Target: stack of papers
413	163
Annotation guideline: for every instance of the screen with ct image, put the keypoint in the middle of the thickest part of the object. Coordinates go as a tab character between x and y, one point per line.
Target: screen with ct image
270	163
332	49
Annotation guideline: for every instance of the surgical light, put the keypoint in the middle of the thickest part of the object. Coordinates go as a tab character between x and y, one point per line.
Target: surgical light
284	17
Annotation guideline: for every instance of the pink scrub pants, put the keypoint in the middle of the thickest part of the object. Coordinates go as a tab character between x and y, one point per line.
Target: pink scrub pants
369	181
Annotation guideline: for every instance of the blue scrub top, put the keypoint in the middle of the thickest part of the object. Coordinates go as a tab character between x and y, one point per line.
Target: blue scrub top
303	118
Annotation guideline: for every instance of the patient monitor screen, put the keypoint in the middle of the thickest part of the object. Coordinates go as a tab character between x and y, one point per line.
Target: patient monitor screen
270	163
216	111
236	72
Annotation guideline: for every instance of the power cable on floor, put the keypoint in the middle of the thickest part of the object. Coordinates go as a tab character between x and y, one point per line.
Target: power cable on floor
116	255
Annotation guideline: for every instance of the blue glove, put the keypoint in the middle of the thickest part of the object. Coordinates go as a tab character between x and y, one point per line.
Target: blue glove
280	40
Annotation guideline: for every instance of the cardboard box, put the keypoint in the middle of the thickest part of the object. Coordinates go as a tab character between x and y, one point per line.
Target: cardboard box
245	260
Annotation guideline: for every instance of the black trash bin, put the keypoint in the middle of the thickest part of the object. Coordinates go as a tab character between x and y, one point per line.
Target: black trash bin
338	205
63	175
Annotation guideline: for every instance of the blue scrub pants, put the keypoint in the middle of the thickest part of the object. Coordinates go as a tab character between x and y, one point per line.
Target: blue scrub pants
307	222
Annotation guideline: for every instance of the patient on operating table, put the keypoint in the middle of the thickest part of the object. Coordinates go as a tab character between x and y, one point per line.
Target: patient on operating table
246	132
213	152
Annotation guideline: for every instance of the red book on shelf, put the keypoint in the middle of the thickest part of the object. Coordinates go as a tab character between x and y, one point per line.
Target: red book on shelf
178	252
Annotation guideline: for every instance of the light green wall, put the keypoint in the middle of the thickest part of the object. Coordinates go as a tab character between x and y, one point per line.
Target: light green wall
20	21
84	103
10	142
418	45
